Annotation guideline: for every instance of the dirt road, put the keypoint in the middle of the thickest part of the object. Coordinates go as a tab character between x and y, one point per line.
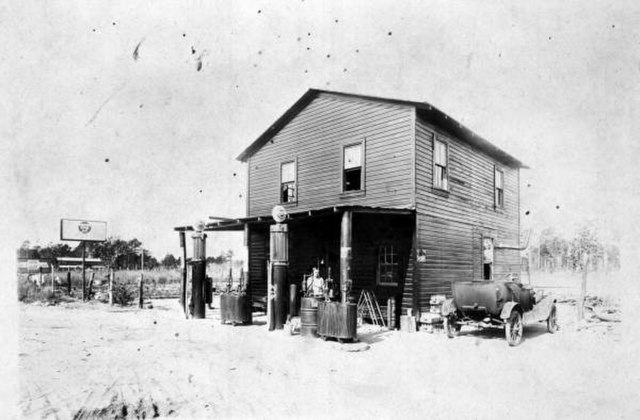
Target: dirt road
81	361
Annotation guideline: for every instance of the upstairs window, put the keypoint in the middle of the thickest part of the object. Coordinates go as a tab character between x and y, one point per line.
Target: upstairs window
352	168
498	188
440	165
288	182
388	265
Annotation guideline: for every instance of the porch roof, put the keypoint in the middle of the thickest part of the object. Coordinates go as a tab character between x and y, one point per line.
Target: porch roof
229	224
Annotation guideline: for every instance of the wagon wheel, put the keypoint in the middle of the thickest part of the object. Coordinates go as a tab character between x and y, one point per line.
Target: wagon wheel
513	328
451	326
552	321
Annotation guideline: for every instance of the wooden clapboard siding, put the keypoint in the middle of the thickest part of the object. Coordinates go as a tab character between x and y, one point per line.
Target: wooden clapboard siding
451	224
315	137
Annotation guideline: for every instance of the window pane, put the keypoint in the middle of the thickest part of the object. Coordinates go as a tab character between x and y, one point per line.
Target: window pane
353	156
440	153
288	172
499	179
440	177
288	192
352	179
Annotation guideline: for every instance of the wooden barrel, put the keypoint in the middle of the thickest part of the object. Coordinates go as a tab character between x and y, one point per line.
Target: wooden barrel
309	317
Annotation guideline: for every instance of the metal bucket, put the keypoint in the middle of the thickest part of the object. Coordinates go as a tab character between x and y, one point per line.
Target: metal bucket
309	317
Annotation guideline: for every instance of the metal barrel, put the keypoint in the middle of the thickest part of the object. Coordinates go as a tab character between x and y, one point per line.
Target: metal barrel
309	317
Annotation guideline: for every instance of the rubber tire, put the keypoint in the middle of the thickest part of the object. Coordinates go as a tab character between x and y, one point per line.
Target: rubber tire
514	338
552	321
451	327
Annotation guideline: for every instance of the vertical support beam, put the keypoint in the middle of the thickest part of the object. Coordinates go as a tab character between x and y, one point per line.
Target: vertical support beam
415	306
83	273
198	274
345	254
245	264
68	282
183	288
279	249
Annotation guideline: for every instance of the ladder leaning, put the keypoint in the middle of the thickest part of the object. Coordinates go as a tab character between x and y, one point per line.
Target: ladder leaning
368	307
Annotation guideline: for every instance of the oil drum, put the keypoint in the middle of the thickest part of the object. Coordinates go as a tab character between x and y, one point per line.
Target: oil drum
309	317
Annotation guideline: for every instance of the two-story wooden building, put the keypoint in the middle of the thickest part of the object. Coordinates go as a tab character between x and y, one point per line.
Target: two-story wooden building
431	202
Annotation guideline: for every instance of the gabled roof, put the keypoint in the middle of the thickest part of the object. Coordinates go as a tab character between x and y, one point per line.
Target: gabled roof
424	110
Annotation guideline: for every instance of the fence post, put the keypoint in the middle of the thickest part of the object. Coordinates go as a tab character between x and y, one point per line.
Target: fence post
69	282
141	287
93	274
111	286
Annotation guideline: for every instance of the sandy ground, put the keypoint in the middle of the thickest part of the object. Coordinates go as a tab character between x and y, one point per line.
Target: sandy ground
81	361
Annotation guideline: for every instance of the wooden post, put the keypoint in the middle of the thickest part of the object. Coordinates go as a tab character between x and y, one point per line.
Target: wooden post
111	286
83	273
93	274
270	314
183	289
198	274
68	282
140	291
583	287
345	254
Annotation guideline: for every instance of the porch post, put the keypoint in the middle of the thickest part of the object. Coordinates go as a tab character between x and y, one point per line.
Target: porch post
345	254
198	274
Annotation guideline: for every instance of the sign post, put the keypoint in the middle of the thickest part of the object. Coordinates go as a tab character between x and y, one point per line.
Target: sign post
83	231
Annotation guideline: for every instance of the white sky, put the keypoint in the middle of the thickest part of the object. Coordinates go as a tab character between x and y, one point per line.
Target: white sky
554	84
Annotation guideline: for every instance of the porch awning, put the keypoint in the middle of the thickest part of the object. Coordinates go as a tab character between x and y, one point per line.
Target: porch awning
228	224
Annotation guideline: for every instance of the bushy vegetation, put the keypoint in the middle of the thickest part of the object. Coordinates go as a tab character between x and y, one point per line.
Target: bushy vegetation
29	292
123	293
554	252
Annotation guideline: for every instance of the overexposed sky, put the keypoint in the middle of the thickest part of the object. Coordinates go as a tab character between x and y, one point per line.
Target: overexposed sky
150	143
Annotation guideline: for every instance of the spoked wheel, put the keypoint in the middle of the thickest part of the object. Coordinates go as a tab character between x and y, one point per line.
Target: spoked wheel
513	328
552	321
451	326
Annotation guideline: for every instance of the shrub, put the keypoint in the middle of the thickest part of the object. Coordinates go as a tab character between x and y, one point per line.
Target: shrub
29	292
123	294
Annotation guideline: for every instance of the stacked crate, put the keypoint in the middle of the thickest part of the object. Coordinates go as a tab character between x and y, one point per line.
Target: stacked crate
432	321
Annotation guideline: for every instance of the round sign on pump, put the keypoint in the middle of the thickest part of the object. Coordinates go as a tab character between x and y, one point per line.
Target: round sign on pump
279	214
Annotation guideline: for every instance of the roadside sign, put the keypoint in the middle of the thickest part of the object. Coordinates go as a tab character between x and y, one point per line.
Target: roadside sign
83	230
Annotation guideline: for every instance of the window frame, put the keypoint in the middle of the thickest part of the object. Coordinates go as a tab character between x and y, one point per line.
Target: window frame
435	165
295	181
394	266
362	145
498	204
